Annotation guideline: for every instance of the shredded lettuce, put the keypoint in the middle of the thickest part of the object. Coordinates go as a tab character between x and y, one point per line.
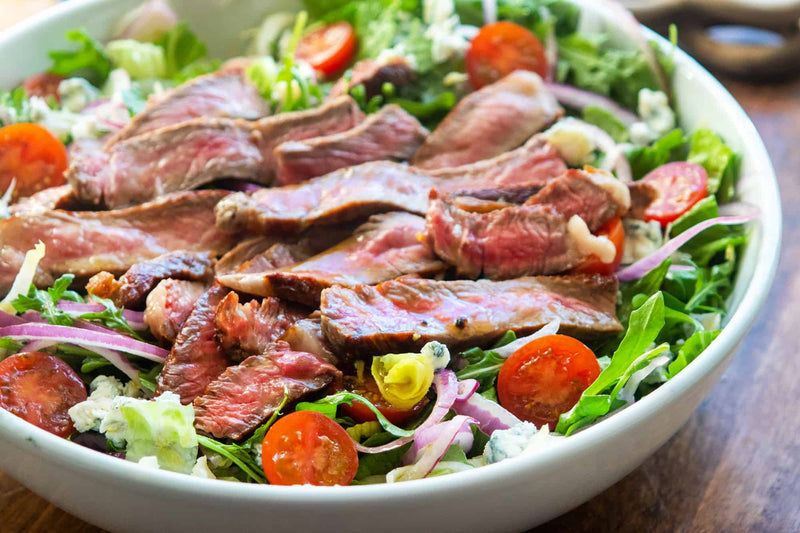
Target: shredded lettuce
24	278
706	148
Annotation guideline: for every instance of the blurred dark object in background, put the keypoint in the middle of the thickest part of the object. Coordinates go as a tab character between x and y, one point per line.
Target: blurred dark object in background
752	39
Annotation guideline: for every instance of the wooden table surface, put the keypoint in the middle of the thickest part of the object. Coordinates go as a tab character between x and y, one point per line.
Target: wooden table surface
735	466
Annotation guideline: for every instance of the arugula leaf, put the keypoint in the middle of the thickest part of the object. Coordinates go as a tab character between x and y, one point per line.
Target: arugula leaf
46	301
479	441
181	48
93	362
482	366
693	346
147	380
706	148
348	398
524	12
15	107
379	464
667	148
644	325
606	121
238	455
8	345
111	317
90	60
258	435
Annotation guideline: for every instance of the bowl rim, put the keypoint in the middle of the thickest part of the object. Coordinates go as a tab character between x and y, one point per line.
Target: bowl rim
77	457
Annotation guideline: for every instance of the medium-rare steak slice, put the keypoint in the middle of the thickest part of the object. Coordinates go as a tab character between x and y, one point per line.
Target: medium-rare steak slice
547	235
390	134
244	396
403	314
169	305
85	243
344	195
512	176
189	154
247	329
306	336
133	287
195	359
61	197
372	74
221	94
385	247
242	253
490	121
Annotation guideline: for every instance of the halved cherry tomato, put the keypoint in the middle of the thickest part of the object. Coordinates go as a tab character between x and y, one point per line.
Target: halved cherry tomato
546	378
43	84
615	231
307	447
367	388
329	48
680	185
33	156
501	48
40	388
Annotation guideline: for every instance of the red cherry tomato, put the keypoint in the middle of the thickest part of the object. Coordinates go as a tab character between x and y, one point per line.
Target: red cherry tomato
680	185
615	231
328	49
367	388
40	388
43	84
501	48
33	156
307	447
546	378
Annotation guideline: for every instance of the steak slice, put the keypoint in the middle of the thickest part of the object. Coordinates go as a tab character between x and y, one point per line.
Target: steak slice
60	197
390	134
242	253
547	235
642	195
385	247
195	359
133	286
306	336
372	74
513	176
344	195
247	329
244	396
221	94
169	305
490	121
190	154
404	314
85	243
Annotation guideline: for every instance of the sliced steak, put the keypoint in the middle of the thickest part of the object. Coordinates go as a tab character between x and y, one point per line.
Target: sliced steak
490	121
344	195
385	247
594	195
547	235
195	359
190	154
513	176
169	305
221	94
373	74
390	134
86	243
247	329
306	336
404	314
241	253
244	396
61	197
642	195
133	287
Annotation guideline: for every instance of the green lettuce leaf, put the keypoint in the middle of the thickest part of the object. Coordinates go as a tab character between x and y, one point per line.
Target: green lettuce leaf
606	121
706	148
693	346
668	148
181	48
89	61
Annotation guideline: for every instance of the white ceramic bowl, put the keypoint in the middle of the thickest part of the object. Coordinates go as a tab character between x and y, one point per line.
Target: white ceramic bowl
509	496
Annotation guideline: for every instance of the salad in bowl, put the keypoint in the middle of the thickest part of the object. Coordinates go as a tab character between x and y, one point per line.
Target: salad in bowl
390	241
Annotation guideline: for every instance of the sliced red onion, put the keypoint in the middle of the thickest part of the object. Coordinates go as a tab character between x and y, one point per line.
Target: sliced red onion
462	438
551	328
86	338
7	319
640	268
490	416
135	319
628	391
147	22
579	99
37	346
489	11
446	385
422	460
119	361
466	388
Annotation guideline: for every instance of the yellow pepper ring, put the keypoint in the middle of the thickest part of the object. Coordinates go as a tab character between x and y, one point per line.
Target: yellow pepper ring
403	379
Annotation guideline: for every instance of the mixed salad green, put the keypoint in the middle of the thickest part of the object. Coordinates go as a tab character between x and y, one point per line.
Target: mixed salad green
673	292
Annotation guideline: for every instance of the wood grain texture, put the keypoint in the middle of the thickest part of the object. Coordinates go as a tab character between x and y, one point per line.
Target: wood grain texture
735	466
